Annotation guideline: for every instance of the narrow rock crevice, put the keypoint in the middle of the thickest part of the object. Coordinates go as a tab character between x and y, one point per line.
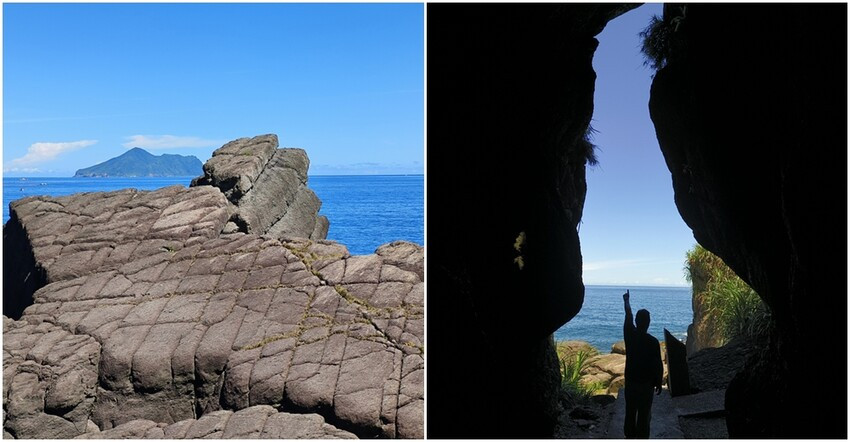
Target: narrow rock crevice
22	275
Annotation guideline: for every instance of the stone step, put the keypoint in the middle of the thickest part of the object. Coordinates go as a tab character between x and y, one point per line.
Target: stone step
703	403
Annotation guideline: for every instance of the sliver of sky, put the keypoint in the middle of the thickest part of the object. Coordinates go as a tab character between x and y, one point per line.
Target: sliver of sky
631	232
83	83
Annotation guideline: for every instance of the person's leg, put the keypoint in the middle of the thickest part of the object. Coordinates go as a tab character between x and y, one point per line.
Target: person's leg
644	413
631	413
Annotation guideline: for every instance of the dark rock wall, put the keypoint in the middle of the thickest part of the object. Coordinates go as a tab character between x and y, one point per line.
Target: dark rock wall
510	96
752	119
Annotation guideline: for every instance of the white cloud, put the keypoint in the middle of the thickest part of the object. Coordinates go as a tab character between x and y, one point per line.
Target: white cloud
168	142
22	169
41	152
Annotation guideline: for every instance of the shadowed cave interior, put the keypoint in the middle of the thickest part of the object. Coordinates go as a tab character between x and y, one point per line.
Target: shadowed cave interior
750	113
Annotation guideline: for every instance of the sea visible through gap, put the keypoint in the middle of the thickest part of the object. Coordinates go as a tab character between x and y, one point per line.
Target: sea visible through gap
600	321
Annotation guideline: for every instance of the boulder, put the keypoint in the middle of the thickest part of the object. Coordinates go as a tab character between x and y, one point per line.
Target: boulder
619	348
607	370
49	380
236	166
714	368
267	186
50	239
568	349
597	377
611	363
616	384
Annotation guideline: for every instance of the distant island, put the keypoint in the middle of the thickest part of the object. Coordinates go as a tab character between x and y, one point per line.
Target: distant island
138	162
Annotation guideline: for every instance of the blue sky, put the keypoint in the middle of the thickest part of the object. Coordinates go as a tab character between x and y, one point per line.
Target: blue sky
83	83
631	232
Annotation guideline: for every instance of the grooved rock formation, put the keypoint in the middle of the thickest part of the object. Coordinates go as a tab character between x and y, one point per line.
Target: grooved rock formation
268	186
510	98
148	321
257	422
51	239
751	116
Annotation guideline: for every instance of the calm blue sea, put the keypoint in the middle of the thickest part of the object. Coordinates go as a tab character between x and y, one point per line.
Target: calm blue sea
600	321
364	211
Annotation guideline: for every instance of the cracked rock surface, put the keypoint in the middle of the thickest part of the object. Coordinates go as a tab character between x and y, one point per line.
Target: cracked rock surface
257	422
268	187
163	323
76	235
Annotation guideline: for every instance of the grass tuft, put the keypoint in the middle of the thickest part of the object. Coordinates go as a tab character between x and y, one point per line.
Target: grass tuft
736	307
571	385
661	40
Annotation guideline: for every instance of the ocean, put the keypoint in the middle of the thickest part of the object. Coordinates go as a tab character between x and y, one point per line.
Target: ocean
600	321
365	211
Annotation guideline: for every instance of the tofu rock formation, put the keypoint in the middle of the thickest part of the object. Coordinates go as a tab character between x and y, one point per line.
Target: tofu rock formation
131	314
267	186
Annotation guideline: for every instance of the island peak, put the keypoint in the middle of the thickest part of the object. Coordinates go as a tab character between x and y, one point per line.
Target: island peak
137	162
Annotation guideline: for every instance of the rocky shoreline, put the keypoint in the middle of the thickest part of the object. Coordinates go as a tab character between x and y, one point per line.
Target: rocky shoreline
212	311
606	370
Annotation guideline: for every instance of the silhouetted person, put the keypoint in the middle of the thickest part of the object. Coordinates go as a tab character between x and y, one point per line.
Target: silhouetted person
644	371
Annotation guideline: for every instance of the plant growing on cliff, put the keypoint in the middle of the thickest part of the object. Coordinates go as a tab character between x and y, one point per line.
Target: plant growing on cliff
587	148
660	39
737	308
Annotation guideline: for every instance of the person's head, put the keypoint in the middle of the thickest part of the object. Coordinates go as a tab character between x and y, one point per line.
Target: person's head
642	320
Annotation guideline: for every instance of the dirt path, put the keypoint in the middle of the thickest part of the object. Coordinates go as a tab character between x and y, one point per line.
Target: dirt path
665	419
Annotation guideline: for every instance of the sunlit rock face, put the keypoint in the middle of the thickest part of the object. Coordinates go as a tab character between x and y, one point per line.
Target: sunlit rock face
751	117
510	96
267	186
133	314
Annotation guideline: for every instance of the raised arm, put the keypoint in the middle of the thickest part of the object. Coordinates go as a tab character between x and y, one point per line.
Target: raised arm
629	324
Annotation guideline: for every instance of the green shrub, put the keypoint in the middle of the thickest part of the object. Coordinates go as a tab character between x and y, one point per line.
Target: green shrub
571	385
735	306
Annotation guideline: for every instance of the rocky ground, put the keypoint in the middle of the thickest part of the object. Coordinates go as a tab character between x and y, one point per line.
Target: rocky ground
589	418
586	420
604	370
699	415
149	319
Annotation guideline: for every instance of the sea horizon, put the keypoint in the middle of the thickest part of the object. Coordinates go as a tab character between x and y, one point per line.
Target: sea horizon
365	211
626	286
600	320
193	176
